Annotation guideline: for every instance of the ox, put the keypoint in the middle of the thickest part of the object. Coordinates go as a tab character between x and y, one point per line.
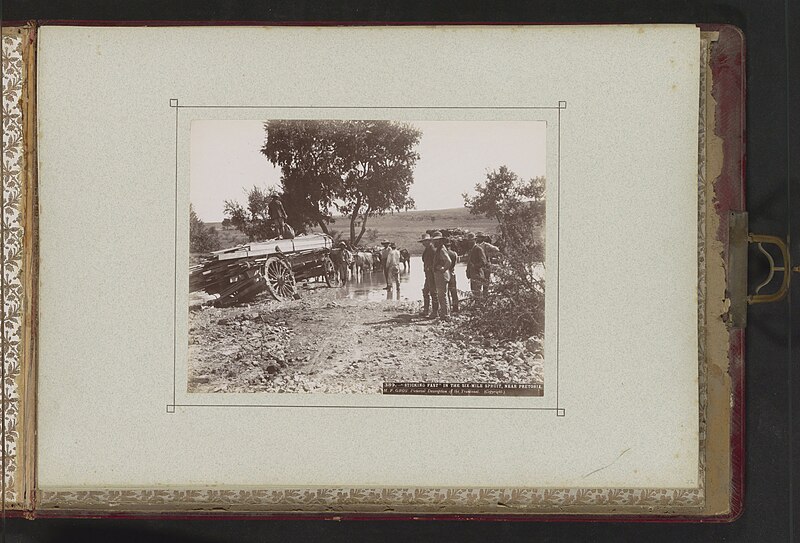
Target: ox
405	259
362	261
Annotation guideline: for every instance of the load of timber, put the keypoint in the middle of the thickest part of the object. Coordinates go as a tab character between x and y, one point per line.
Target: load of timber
241	273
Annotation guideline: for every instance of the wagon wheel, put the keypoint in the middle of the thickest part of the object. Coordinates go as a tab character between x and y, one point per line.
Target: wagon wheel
332	278
280	279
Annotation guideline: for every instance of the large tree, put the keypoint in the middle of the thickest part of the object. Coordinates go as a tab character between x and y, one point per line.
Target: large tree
357	168
310	168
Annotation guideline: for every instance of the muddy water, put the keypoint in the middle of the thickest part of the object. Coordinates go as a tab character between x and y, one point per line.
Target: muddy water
372	285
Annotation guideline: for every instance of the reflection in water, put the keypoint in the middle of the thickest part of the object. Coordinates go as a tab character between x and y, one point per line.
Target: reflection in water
372	285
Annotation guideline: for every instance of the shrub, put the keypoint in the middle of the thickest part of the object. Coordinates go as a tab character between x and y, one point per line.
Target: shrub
202	238
514	308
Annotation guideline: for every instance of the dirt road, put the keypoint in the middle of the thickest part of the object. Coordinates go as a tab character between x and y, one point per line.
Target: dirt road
322	343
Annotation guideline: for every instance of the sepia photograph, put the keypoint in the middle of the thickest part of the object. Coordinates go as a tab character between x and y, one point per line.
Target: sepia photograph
367	257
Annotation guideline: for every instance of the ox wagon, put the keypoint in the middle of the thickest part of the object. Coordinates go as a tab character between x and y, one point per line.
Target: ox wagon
241	273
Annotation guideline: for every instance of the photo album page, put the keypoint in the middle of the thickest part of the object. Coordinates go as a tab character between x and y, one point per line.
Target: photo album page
376	258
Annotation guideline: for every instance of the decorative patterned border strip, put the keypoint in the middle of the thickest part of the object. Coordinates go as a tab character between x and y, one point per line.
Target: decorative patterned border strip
12	254
518	500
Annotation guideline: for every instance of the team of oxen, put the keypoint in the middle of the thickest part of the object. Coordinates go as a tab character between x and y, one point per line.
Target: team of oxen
369	259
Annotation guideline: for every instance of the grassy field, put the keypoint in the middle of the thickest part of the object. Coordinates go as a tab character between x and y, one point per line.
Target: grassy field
403	228
229	237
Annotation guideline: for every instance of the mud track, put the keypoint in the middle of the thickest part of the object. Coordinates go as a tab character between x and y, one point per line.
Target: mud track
323	344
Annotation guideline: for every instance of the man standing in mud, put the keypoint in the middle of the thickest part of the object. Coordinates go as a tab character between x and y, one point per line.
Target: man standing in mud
491	252
452	288
384	254
277	213
344	262
441	274
392	269
477	265
430	302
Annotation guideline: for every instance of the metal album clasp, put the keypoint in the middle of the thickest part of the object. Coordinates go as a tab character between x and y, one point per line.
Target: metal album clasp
738	241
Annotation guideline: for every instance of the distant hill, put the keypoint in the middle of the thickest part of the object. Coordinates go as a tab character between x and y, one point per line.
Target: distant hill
404	228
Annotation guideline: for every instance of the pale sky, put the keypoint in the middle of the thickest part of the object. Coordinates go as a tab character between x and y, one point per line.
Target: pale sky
454	156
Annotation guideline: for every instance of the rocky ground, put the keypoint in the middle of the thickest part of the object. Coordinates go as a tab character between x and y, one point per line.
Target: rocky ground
321	343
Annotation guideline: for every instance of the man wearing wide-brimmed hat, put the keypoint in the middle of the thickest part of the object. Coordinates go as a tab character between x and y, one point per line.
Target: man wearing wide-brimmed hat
391	267
477	265
452	286
384	253
491	251
441	273
429	300
344	260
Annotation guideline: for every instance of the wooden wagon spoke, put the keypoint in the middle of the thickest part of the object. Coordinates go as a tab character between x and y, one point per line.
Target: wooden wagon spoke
280	279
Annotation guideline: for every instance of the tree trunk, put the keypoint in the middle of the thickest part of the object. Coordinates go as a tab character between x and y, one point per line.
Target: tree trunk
363	226
353	218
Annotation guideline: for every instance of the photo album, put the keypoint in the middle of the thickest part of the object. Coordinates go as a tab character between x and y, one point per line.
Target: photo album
373	271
